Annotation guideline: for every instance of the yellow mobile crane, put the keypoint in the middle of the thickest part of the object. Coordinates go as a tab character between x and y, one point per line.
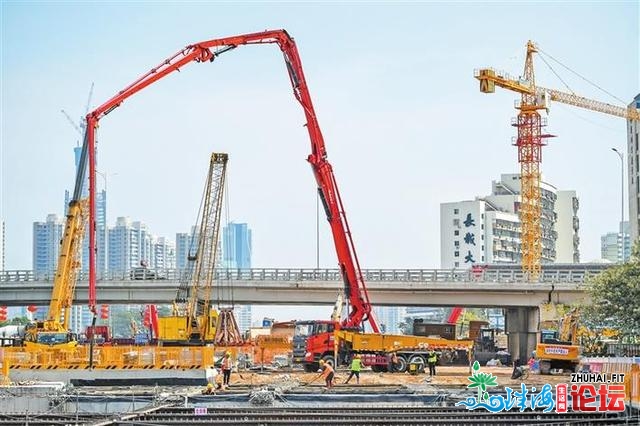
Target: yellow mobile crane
194	322
54	332
530	141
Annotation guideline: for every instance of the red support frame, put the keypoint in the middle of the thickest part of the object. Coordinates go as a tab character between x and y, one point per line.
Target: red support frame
355	288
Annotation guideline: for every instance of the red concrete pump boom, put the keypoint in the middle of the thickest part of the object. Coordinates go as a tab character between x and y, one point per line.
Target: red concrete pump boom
206	51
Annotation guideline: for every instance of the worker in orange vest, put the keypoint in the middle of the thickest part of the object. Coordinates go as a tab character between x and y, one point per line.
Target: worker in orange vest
227	366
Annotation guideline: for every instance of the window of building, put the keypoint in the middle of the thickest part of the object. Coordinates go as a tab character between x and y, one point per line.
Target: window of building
456	264
456	243
456	232
456	211
483	258
483	250
456	254
456	222
482	237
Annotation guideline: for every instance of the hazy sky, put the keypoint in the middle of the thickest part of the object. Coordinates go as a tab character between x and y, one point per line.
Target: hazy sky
405	125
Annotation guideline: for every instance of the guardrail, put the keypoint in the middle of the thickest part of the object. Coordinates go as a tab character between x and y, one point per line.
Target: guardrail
574	274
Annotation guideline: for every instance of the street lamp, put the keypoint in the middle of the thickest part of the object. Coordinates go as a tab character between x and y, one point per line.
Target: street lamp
621	201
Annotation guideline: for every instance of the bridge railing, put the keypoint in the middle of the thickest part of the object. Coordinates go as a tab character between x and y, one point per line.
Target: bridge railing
502	274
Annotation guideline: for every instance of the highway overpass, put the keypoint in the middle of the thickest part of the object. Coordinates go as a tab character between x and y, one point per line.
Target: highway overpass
500	287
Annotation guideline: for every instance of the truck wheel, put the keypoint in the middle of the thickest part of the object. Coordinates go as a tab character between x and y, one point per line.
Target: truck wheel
402	364
545	367
328	359
446	357
418	361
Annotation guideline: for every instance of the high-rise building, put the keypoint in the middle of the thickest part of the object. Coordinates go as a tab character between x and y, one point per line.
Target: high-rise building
567	227
236	246
236	254
101	221
616	247
633	168
389	318
46	245
164	254
185	243
488	229
129	245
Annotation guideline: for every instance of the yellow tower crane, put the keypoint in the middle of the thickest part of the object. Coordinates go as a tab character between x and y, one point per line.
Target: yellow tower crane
530	141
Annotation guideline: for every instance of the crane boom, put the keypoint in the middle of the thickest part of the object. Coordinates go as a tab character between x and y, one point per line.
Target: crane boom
70	120
205	262
207	51
586	103
193	321
489	78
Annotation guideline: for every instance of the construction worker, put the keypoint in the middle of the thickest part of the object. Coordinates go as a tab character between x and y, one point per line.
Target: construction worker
393	364
327	373
356	366
208	390
227	366
432	359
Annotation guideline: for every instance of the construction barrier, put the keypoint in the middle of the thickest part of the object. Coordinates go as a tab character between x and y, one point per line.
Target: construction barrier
113	357
632	386
629	366
610	364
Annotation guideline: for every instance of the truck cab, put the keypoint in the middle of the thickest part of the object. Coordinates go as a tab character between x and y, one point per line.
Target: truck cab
313	341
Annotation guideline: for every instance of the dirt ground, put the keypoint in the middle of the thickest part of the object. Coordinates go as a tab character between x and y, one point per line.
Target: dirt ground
447	376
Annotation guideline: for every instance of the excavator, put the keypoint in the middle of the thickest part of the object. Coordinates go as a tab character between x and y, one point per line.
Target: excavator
194	321
559	349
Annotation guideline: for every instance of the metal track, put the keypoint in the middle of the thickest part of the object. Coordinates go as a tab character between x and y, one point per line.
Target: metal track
366	416
325	416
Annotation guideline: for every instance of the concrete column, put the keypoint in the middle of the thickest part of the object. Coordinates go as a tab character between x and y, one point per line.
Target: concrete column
521	326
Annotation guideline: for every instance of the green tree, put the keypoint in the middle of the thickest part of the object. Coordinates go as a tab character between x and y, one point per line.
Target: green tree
19	321
615	293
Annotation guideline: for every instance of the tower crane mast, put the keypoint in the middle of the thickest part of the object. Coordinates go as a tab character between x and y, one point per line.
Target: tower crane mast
530	141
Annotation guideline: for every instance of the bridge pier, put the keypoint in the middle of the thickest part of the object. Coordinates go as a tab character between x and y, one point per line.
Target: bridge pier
521	326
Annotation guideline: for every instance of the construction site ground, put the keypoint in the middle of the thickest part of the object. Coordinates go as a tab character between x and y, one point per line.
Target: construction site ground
445	376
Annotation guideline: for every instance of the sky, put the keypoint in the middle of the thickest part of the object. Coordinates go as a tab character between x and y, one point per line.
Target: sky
404	123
